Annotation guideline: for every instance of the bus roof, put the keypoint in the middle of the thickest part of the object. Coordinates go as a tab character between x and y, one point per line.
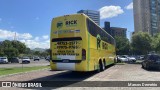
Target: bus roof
70	15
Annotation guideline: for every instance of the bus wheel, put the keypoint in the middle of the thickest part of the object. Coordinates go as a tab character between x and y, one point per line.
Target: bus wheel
115	60
101	66
104	64
147	67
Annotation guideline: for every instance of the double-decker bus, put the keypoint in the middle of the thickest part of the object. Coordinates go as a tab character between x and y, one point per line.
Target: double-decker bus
79	44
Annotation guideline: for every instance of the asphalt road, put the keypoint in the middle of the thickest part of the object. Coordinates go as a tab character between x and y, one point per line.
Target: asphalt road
126	72
42	62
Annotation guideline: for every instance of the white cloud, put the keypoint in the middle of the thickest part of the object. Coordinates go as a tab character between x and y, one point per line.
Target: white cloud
45	36
24	36
6	34
48	41
130	6
37	39
28	39
110	11
36	44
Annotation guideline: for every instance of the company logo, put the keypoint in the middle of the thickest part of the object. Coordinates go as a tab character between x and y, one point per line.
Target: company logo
60	24
6	84
98	41
71	23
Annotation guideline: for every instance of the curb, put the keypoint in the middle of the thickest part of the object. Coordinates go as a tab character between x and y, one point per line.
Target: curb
8	75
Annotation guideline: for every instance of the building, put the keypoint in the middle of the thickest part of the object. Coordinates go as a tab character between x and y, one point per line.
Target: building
115	31
118	31
94	15
147	16
107	27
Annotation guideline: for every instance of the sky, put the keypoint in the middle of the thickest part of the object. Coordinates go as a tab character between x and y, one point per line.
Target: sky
30	20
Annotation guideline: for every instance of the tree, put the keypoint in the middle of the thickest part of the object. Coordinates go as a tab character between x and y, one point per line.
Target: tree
11	52
12	48
156	43
37	53
20	46
48	51
122	45
28	51
141	43
3	46
1	49
44	54
6	44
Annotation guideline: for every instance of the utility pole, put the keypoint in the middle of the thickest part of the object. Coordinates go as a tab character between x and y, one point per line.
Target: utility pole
15	36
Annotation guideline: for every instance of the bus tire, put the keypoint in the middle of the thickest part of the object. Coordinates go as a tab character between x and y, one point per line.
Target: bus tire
101	66
147	67
104	64
115	60
98	69
142	66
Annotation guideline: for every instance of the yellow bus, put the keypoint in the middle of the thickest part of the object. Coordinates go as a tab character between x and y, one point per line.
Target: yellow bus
79	44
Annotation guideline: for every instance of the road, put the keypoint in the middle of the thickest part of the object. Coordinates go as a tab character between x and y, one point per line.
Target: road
42	62
126	72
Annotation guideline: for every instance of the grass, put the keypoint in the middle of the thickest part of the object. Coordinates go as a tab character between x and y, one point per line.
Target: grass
7	71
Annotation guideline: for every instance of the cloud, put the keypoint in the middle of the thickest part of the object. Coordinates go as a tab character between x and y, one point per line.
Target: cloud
130	6
28	39
45	36
37	39
6	34
110	11
48	41
24	36
36	44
